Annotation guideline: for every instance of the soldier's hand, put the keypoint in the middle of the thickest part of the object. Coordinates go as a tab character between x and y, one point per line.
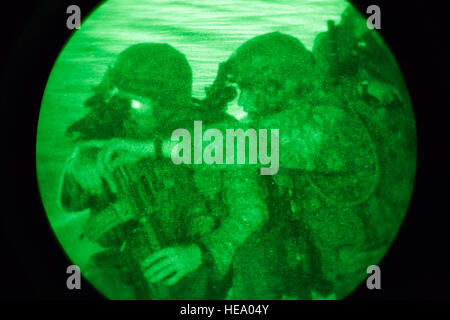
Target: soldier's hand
115	153
118	152
171	264
111	151
83	167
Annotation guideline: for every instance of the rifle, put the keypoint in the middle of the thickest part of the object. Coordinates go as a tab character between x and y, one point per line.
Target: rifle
137	205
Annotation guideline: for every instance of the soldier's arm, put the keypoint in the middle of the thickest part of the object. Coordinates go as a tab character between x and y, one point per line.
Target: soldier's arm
245	201
313	138
324	139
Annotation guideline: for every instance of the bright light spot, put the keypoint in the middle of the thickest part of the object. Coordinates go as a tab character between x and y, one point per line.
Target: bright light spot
136	104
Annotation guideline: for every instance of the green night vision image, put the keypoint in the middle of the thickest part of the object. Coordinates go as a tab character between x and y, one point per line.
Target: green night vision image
141	226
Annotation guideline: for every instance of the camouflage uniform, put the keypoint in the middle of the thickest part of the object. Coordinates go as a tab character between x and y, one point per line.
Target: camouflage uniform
237	199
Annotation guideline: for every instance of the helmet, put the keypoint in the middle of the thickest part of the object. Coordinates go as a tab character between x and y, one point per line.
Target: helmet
154	70
273	58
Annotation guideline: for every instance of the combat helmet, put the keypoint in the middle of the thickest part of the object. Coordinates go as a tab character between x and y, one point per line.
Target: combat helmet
154	70
274	59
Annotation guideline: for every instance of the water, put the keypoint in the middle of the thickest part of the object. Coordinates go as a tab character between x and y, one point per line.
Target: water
206	31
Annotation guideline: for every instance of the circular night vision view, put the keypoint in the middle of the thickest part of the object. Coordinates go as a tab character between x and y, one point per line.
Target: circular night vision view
153	191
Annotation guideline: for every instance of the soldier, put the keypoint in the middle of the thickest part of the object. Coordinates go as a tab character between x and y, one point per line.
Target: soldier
144	206
338	159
